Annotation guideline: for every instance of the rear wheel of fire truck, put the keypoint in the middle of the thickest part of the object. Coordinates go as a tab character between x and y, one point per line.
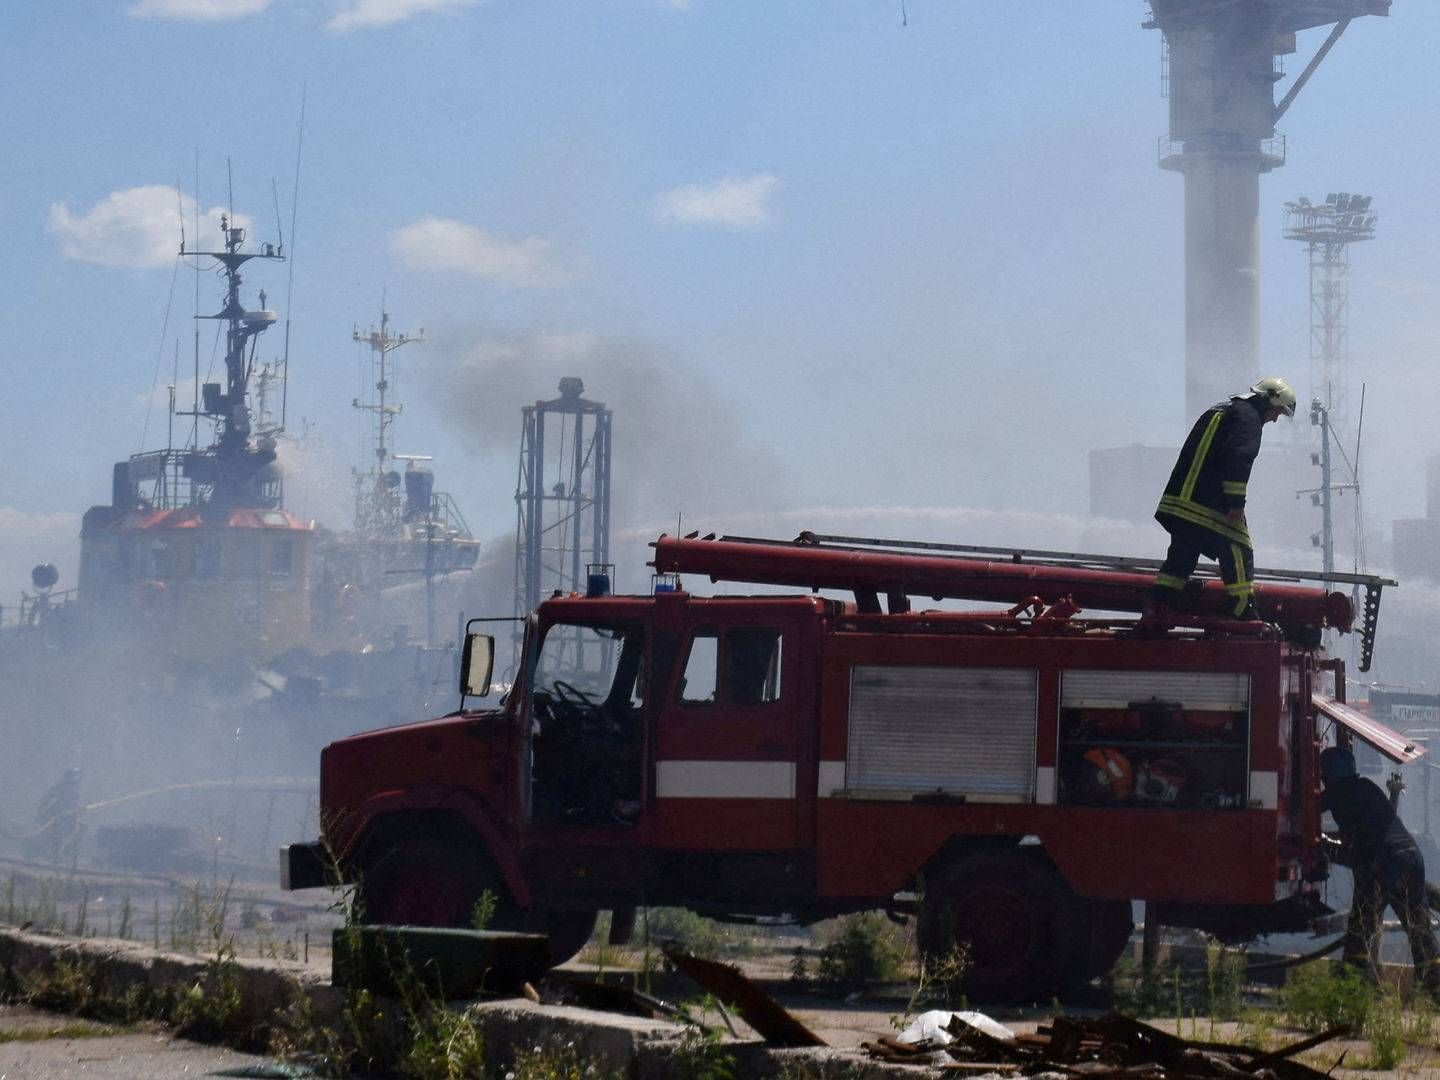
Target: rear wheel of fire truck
1006	912
1111	924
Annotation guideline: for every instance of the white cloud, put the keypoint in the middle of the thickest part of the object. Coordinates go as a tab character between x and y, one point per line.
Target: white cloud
434	243
736	202
136	227
197	10
360	13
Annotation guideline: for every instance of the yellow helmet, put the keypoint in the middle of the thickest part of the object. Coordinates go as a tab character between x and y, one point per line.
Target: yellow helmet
1277	394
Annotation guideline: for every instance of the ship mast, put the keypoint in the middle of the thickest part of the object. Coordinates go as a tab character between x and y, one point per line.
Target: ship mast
236	463
383	506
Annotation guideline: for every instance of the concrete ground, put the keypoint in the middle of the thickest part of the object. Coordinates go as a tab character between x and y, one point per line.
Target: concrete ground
38	1045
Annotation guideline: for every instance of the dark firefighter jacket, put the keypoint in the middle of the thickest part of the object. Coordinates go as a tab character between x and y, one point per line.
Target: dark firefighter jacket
1210	475
1368	823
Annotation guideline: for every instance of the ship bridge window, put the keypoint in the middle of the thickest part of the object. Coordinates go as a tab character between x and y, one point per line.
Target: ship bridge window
282	558
207	557
246	555
162	559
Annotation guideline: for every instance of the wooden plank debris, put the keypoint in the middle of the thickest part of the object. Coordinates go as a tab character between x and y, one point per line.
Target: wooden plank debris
756	1008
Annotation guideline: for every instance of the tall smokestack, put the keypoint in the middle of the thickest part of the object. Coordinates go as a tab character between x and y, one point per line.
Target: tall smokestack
1221	64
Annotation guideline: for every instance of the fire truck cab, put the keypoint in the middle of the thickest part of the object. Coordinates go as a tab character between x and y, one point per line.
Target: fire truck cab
1015	776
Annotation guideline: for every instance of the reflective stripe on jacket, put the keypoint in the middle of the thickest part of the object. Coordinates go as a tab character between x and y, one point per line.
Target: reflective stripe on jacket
1213	468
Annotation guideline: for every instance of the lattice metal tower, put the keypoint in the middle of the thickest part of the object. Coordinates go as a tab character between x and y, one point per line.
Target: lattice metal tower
1327	230
1221	74
562	495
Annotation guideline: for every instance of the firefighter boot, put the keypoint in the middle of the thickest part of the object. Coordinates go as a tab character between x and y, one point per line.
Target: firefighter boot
1159	608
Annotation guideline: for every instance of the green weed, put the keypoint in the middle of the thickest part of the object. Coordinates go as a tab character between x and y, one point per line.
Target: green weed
1224	981
555	1061
939	982
213	1009
1385	1030
695	934
62	1031
65	986
1321	995
702	1055
484	910
799	967
868	949
441	1045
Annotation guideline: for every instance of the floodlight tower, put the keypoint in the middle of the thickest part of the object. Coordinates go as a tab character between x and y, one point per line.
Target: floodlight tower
1327	230
1221	80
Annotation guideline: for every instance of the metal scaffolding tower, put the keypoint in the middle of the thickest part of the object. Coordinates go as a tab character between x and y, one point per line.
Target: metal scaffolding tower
1221	72
562	496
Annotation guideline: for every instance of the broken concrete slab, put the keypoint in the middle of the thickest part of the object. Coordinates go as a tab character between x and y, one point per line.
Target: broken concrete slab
456	964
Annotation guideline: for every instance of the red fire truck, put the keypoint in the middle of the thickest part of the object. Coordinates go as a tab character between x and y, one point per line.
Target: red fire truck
1014	776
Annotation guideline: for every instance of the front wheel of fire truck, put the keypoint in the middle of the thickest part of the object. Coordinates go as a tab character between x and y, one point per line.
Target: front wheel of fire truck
411	880
419	880
1005	913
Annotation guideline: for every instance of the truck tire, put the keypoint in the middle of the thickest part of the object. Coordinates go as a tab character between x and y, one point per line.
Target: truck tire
1015	919
416	880
1112	923
413	879
568	931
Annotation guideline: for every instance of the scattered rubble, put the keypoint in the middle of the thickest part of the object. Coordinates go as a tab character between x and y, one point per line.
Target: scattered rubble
1113	1047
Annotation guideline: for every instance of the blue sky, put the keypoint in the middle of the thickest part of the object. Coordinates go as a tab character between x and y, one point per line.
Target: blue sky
868	260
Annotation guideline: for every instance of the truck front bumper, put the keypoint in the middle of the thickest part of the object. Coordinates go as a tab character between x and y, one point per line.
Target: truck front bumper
304	866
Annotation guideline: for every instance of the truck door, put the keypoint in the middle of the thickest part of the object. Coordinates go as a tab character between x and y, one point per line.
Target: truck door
585	735
728	749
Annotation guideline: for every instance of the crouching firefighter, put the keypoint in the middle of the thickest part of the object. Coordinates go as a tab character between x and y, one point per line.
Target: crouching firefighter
1203	507
1388	868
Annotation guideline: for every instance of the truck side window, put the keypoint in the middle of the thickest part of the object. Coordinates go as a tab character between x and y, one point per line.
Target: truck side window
752	666
697	685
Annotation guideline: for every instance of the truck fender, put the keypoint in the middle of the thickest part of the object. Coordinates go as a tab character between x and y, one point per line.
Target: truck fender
959	847
466	808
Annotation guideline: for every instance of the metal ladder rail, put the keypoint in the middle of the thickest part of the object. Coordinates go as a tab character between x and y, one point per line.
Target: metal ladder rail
1042	557
1368	616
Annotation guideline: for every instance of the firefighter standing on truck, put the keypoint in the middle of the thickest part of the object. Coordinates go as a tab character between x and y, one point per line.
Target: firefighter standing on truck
1386	864
1203	507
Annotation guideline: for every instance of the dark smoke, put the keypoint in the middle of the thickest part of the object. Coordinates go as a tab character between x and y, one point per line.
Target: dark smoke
679	443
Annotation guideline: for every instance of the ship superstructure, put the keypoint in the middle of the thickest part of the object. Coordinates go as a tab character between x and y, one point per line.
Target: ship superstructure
406	534
196	550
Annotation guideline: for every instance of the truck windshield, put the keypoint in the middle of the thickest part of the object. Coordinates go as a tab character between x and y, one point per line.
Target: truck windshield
591	664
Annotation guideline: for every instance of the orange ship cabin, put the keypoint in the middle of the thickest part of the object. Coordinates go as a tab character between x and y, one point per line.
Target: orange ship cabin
180	573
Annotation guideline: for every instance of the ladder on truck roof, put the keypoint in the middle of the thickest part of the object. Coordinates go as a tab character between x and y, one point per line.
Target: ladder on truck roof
1041	557
900	568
